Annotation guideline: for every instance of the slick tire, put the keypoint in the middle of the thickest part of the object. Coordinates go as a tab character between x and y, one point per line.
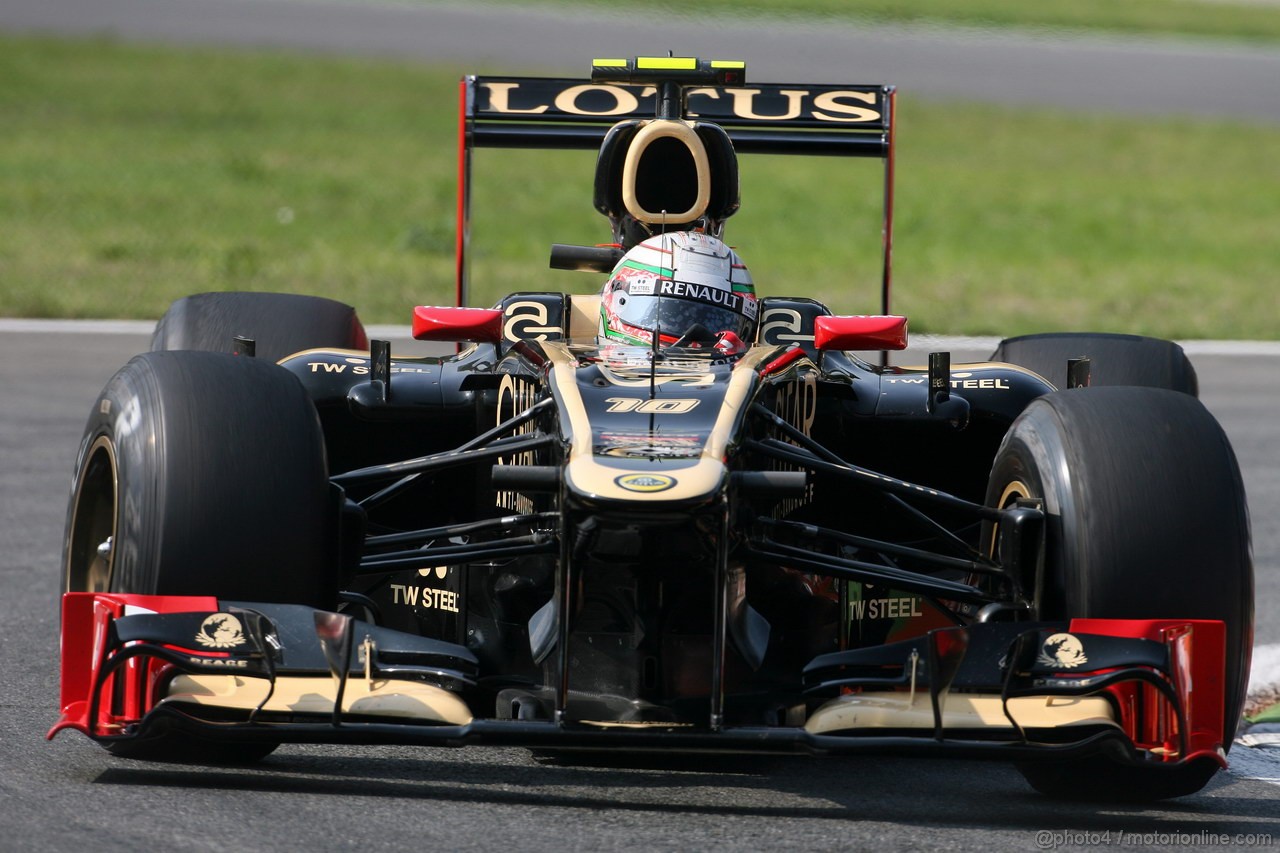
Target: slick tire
280	324
1146	518
202	474
1115	359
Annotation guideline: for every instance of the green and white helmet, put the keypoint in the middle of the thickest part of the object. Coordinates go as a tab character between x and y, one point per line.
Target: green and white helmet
672	284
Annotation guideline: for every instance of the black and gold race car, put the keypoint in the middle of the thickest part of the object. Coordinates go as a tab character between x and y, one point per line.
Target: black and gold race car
663	514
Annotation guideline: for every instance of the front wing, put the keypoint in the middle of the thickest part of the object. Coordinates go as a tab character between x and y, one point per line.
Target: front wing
1144	692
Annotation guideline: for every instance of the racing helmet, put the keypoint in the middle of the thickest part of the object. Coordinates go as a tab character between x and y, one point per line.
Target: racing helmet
675	285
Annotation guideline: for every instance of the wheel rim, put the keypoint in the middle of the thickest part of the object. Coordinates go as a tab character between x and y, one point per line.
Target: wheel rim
1014	490
90	545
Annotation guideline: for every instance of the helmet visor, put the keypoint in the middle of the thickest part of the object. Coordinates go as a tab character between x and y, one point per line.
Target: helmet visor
675	309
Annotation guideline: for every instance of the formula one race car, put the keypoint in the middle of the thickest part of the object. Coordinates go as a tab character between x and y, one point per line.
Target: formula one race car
665	515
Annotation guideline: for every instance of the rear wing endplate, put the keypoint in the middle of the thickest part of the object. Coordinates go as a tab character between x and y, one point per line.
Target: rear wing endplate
768	118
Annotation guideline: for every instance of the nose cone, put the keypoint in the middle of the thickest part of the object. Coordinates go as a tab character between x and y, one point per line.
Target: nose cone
597	480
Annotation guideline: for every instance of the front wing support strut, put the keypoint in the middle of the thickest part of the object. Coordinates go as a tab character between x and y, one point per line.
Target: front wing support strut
564	602
721	629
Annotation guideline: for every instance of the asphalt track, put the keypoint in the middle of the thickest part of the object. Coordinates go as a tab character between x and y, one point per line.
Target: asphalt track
69	795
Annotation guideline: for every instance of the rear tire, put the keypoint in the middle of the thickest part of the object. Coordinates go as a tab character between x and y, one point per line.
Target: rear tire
279	323
1116	359
207	472
1146	518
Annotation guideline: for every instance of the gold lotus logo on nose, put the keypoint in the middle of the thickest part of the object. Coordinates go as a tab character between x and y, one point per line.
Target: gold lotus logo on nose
645	482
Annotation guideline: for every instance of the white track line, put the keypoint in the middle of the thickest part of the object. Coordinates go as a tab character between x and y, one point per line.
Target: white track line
918	342
93	327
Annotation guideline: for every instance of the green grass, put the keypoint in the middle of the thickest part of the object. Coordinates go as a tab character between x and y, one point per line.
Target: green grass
130	176
1250	20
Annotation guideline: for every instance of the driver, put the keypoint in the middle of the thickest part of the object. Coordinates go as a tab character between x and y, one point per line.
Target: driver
687	287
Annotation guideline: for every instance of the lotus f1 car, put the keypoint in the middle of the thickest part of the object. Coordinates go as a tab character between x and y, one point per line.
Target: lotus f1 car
665	515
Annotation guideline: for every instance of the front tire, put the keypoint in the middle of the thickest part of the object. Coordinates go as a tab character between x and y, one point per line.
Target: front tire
1146	518
207	472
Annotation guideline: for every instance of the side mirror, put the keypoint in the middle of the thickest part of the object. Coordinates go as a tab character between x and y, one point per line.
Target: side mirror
862	332
481	325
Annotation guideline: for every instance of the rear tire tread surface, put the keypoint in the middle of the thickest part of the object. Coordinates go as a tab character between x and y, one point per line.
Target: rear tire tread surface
279	323
1114	359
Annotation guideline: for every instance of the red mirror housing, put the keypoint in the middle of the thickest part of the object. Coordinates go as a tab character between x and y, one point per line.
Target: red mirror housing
481	325
862	332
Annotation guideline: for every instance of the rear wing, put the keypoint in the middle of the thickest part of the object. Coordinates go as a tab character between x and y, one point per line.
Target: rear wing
770	118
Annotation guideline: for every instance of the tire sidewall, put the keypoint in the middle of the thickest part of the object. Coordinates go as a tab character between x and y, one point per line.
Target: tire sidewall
1032	455
124	413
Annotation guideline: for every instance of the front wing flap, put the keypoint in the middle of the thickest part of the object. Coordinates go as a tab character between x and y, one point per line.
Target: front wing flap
1140	691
